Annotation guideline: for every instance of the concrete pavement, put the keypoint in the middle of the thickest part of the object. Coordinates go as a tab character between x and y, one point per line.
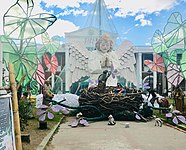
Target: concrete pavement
100	136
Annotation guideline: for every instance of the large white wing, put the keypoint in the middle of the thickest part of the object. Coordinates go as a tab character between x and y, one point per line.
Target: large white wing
78	61
127	61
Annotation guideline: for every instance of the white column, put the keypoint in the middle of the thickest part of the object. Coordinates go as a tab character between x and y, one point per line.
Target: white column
67	70
1	64
139	70
154	80
170	87
52	80
154	77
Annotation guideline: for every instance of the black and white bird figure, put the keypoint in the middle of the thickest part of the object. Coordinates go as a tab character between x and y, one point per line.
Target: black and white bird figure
79	115
104	76
158	122
111	120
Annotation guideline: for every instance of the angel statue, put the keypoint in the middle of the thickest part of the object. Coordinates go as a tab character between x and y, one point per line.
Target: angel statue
92	63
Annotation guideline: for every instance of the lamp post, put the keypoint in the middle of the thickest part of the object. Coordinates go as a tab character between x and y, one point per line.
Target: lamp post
149	73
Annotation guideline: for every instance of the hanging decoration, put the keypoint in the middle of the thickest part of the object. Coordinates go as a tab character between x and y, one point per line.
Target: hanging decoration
39	75
51	45
19	46
19	23
52	64
23	58
174	74
183	64
157	65
174	31
162	43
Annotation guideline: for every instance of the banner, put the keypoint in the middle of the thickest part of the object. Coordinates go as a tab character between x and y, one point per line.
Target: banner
7	137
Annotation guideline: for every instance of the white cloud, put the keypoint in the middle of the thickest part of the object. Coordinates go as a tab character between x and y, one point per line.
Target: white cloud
145	22
124	7
133	7
82	12
74	12
60	27
62	3
126	32
139	17
147	44
142	20
66	3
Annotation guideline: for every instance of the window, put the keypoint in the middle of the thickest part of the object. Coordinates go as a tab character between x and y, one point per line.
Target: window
146	56
60	58
179	56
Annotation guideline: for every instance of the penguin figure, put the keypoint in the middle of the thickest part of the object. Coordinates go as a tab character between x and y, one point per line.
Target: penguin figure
104	76
111	120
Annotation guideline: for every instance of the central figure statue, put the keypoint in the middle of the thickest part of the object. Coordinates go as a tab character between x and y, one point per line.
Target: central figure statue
104	58
118	62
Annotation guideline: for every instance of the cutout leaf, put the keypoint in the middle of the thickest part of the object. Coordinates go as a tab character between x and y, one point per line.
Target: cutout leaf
51	45
158	42
24	58
175	30
175	120
20	24
39	75
50	115
42	117
52	63
183	64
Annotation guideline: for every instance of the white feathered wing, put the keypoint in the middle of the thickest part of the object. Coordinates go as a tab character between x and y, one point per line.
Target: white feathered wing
78	61
127	61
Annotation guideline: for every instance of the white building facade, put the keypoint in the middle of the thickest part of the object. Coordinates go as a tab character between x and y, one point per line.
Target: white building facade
89	36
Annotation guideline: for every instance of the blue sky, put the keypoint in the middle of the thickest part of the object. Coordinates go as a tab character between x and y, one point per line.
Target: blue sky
135	20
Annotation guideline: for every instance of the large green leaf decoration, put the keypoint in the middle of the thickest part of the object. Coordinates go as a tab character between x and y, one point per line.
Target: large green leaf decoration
183	64
8	46
173	55
41	52
23	58
165	56
175	30
158	42
51	45
20	24
9	50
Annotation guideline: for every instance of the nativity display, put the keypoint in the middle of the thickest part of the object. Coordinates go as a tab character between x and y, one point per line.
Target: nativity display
119	62
100	102
104	65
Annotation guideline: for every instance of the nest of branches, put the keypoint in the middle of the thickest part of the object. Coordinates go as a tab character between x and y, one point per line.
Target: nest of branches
108	102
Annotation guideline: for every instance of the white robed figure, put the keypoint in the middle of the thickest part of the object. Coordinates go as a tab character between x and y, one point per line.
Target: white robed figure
86	63
103	58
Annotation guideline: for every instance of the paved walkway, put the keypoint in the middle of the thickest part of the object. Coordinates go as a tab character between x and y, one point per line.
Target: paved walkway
100	136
